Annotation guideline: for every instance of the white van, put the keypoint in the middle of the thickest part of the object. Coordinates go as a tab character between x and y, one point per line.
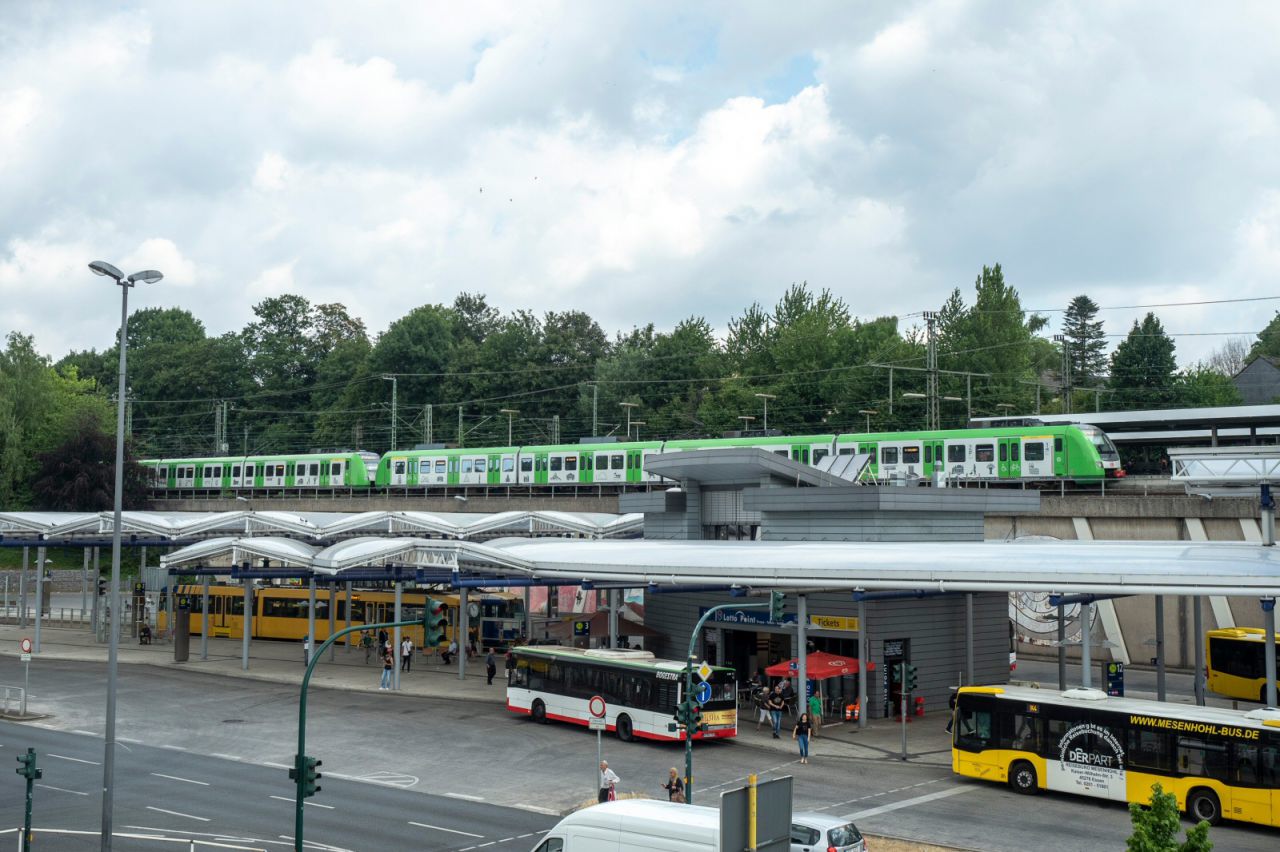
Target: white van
636	825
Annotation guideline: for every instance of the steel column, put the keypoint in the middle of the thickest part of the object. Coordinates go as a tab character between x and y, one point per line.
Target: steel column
460	631
863	659
395	640
968	639
1197	628
1160	682
1269	649
1086	640
246	624
802	652
1062	647
204	618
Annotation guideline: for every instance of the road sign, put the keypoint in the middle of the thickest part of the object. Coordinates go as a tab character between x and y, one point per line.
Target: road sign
1115	679
704	671
25	645
702	693
596	707
582	628
597	723
24	657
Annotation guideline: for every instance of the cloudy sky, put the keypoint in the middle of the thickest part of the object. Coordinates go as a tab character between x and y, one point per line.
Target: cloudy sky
639	161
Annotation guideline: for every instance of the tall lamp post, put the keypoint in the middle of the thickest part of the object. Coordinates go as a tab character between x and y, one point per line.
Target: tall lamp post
392	379
765	397
510	412
638	424
867	412
109	739
628	406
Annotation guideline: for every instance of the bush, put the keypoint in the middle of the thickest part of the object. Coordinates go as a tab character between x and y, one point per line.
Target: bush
1155	828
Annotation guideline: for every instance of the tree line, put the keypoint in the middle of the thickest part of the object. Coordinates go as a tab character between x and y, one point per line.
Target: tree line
303	376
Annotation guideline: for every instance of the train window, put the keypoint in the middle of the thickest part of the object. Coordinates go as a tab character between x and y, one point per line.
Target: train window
467	465
1004	452
315	469
911	455
217	471
526	465
602	462
888	455
424	466
1057	445
1014	451
508	464
207	473
398	467
955	453
846	451
618	462
984	452
235	472
819	455
481	466
284	608
1034	451
928	454
556	463
571	463
440	465
335	469
279	470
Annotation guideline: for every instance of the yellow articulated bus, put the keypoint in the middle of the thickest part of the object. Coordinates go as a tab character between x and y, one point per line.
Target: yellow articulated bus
280	612
1218	763
1234	662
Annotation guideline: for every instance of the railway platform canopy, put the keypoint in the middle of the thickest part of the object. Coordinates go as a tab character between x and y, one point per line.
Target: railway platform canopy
71	528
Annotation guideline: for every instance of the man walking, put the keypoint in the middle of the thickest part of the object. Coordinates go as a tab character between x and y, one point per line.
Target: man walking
608	782
406	654
490	665
775	706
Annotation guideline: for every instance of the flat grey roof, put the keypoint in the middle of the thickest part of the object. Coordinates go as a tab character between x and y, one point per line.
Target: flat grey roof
739	465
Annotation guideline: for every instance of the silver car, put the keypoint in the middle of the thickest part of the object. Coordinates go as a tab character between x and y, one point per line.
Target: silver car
814	832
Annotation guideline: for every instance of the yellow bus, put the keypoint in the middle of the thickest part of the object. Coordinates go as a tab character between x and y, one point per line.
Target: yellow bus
1233	659
1217	763
280	612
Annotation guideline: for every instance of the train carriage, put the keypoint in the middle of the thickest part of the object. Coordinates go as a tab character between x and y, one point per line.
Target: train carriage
311	470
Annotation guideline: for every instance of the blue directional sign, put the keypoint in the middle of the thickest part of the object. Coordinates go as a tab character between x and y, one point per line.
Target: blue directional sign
702	693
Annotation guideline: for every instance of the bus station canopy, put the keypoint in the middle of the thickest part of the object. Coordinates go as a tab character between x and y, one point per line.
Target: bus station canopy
1064	567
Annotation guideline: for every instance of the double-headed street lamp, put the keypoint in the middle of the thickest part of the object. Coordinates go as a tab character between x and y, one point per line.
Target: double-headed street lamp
108	754
638	424
766	397
510	412
868	412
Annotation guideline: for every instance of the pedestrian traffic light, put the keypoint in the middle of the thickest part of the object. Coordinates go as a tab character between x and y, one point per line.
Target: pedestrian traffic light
895	673
777	602
306	768
433	624
909	677
102	588
27	766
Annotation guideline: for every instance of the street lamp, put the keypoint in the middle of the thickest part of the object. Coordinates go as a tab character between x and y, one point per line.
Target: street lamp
868	412
109	738
747	420
510	412
913	396
628	406
394	388
766	397
638	424
1004	407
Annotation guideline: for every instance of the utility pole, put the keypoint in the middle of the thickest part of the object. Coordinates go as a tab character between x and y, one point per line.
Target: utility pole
246	439
510	412
392	379
1066	372
628	406
426	424
595	405
891	395
225	446
555	428
765	397
217	427
931	364
461	435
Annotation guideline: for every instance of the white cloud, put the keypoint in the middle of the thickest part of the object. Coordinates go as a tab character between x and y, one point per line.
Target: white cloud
160	253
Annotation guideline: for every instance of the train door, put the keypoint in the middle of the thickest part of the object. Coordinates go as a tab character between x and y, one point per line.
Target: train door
495	469
248	480
1059	456
933	460
1010	455
634	468
337	474
541	465
1037	457
586	467
570	468
868	449
911	460
800	453
399	471
453	475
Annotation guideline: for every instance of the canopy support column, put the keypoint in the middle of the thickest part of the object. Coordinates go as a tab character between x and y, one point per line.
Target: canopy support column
310	641
863	655
613	618
461	631
333	618
1269	649
802	653
204	618
968	639
395	672
1197	632
246	624
1062	647
1160	683
1086	640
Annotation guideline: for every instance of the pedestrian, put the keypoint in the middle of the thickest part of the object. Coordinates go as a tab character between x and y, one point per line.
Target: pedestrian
801	734
951	716
815	711
366	642
608	783
388	665
383	640
406	654
674	787
761	698
452	652
510	665
776	705
306	649
490	665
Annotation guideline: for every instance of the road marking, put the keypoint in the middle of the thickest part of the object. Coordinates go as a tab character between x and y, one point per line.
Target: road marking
184	780
279	765
308	804
536	809
465	796
177	813
86	733
129	740
74	759
225	756
907	803
173	747
61	789
442	828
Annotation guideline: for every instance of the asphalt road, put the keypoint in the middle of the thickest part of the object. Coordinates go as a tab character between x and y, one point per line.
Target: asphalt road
390	759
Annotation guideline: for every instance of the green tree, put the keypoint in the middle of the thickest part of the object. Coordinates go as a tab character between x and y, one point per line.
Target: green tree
78	475
1143	367
1201	386
1155	829
1086	342
1268	342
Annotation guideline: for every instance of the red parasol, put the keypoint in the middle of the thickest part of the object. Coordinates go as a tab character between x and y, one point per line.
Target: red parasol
819	666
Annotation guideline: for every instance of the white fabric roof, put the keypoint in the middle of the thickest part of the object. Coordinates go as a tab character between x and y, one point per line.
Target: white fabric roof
1174	568
281	551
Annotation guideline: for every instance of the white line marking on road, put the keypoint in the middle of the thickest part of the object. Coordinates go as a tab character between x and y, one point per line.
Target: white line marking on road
128	740
506	839
86	733
184	780
442	828
225	756
907	803
61	789
177	813
465	796
173	747
536	809
74	759
490	843
308	804
279	765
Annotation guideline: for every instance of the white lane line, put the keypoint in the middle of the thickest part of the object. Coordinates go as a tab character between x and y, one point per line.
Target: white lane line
183	780
308	804
177	813
537	809
225	756
442	828
129	740
86	733
61	789
74	759
907	803
173	747
282	766
465	797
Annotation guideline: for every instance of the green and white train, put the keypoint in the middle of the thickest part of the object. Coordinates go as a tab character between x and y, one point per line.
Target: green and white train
1022	453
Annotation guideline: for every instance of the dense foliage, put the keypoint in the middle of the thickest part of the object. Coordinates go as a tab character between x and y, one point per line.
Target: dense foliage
1155	827
304	376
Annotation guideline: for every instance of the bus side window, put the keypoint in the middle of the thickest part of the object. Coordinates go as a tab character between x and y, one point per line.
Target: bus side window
974	727
1202	757
1269	766
1149	750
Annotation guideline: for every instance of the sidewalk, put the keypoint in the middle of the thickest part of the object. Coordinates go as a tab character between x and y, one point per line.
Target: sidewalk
345	668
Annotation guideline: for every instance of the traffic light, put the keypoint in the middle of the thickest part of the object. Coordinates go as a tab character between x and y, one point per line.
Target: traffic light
895	673
307	766
909	677
777	602
27	766
695	719
102	588
433	624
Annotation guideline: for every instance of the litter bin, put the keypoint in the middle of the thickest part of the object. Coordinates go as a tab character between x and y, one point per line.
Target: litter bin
181	634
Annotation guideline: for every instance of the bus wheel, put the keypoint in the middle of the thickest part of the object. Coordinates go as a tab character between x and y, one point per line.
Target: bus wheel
539	712
623	727
1203	804
1022	778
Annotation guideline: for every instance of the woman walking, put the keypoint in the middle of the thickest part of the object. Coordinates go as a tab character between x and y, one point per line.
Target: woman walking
801	734
674	787
388	664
